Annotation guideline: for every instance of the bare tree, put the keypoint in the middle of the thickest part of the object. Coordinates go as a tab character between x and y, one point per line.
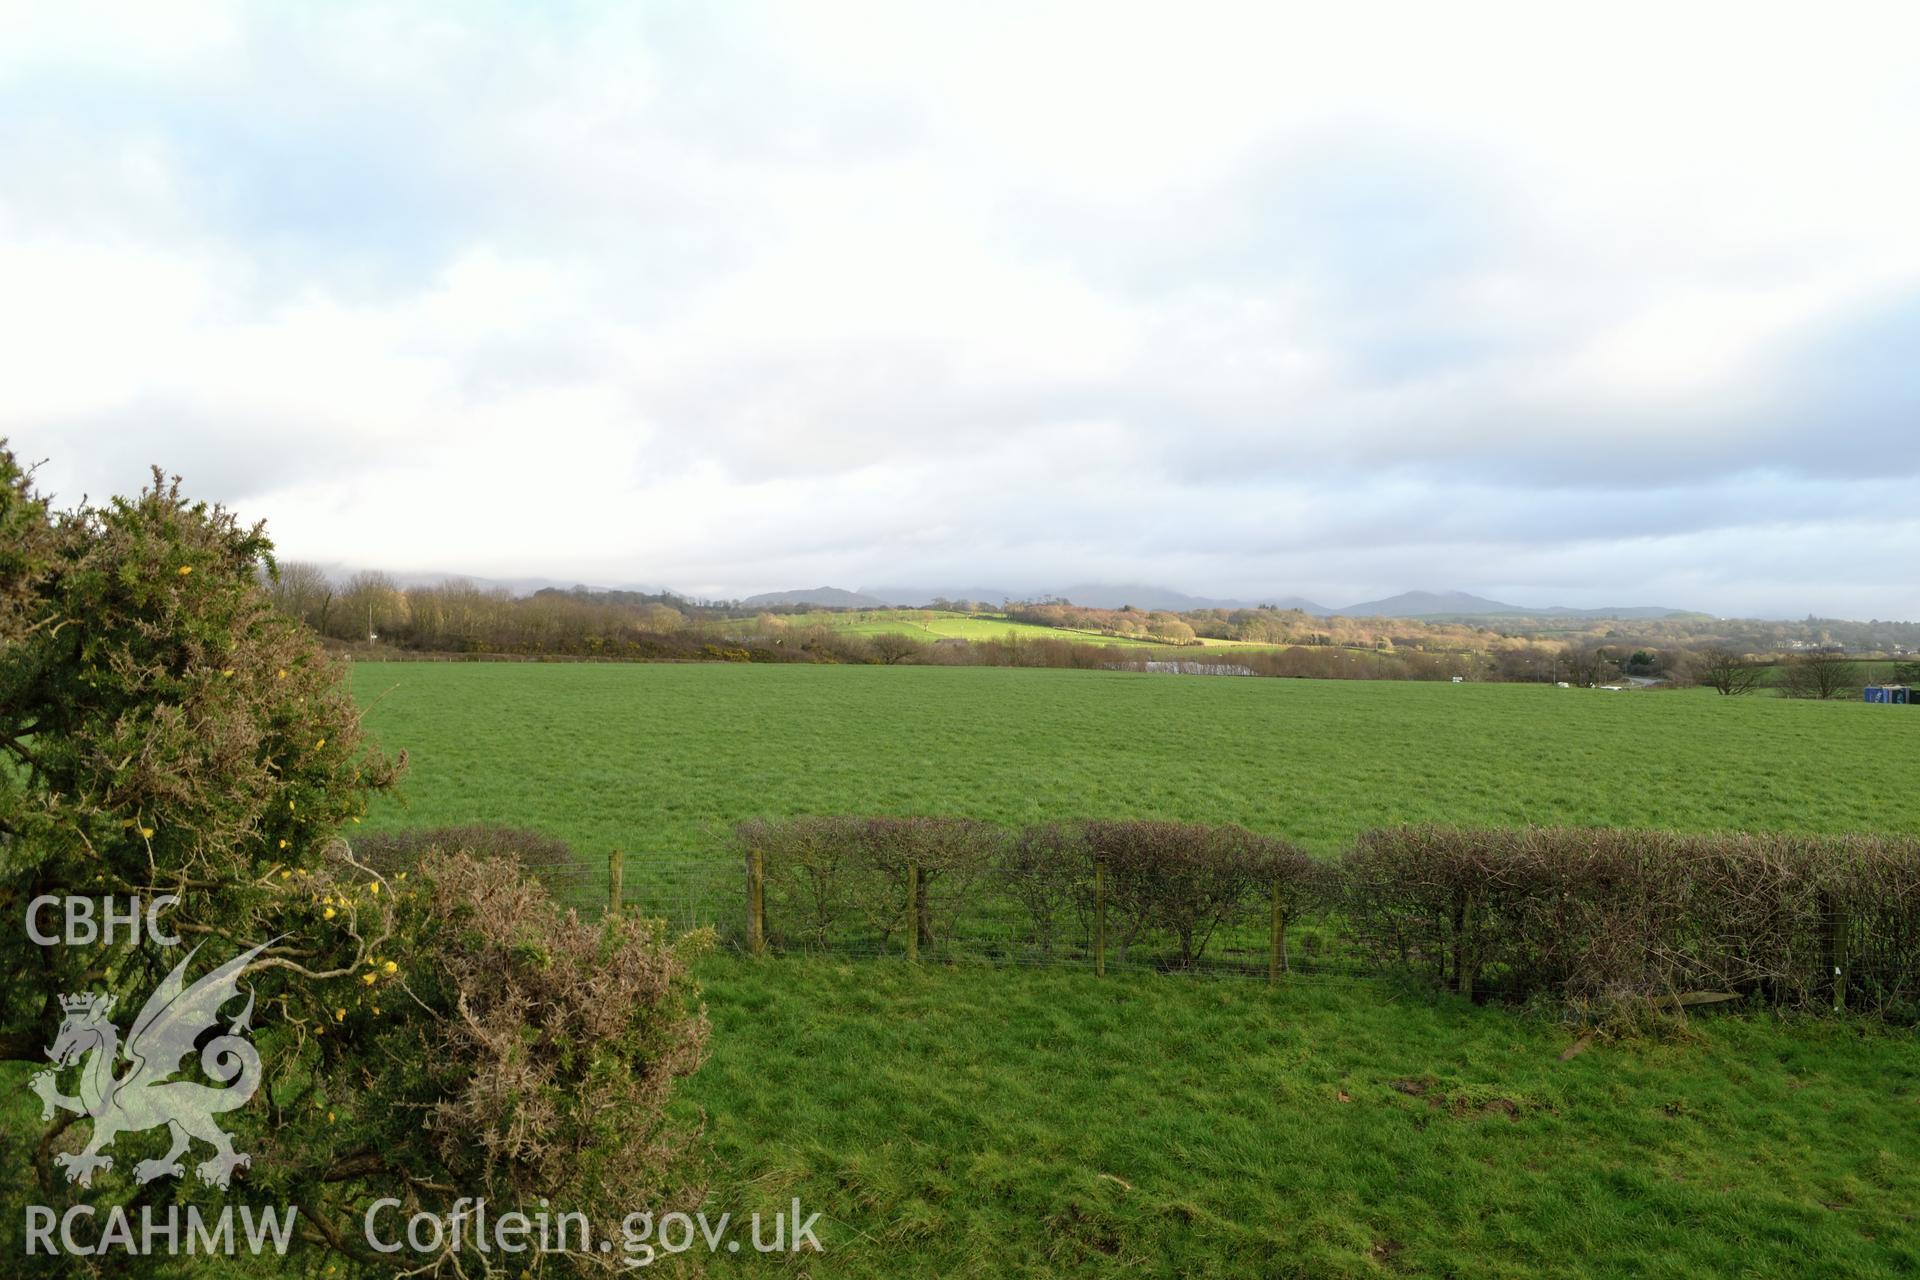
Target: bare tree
370	604
1821	674
1728	671
891	647
1589	665
302	591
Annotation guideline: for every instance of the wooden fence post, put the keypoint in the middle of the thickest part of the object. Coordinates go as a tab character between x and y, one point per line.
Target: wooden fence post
1277	938
913	912
757	903
614	868
1099	921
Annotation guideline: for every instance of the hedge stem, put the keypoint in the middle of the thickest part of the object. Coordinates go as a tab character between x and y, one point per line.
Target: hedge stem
1463	957
913	913
1277	938
757	903
1099	921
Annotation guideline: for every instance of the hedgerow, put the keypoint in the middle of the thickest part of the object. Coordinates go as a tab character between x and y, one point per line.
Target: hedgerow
1580	914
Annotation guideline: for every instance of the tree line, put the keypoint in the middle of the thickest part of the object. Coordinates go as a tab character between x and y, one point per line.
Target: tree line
372	611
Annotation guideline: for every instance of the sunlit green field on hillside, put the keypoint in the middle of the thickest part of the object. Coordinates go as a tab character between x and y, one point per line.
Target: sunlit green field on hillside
942	624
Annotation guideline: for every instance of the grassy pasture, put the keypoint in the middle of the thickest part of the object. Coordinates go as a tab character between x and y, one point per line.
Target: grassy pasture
663	758
972	1121
956	1122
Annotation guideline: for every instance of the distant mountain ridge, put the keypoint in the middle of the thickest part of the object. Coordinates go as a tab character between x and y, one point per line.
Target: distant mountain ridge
1421	604
1460	604
826	597
1108	595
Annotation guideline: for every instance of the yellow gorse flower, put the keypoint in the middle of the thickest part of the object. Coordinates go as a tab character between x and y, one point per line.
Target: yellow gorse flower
185	569
328	914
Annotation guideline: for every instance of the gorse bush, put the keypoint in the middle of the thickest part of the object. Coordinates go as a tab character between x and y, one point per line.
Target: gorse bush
427	1028
167	732
547	1068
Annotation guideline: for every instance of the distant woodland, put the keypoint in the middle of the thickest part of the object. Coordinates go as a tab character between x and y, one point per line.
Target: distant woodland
371	612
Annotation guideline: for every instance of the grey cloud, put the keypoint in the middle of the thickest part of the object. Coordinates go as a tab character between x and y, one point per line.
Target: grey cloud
1331	376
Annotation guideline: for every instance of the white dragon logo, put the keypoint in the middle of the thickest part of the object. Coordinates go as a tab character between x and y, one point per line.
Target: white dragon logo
167	1030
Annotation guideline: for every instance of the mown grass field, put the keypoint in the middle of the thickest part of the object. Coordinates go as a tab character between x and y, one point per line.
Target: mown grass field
991	1121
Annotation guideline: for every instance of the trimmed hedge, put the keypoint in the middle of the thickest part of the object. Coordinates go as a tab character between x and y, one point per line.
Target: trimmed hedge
829	877
835	882
1795	921
1800	922
1189	880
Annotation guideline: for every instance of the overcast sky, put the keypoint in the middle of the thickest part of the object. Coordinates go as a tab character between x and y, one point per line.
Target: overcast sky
1565	304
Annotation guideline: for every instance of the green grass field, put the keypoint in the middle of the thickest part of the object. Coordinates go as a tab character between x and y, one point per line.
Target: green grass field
956	1122
663	758
980	1121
